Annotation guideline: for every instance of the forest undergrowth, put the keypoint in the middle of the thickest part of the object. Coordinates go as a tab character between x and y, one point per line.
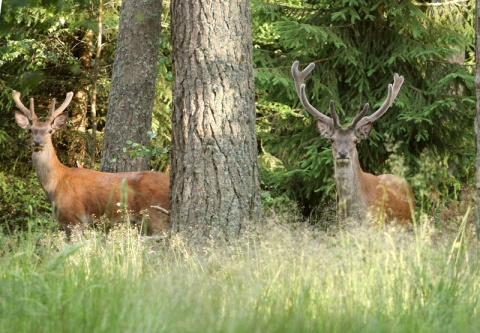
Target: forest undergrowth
277	277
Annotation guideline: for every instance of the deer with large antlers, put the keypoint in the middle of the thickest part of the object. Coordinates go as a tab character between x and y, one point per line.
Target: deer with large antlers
78	195
360	195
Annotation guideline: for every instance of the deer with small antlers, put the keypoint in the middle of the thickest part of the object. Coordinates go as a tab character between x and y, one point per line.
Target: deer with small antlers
78	195
360	195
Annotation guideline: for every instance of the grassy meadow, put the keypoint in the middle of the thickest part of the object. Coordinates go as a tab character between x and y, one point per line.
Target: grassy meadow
277	278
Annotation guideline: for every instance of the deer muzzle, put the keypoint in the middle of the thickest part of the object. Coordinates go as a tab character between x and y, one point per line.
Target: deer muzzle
342	157
342	161
37	145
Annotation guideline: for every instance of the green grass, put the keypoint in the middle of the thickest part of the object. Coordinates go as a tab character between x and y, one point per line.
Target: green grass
281	279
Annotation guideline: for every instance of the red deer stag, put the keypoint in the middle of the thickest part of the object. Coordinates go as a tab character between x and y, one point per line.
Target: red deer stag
79	195
360	195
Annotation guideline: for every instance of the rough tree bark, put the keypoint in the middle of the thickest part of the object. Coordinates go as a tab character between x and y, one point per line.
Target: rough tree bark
132	90
215	175
477	113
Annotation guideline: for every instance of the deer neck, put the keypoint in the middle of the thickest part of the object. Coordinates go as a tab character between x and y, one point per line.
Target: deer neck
48	168
351	203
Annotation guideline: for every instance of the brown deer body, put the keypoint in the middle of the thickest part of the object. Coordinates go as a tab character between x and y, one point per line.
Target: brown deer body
78	195
360	195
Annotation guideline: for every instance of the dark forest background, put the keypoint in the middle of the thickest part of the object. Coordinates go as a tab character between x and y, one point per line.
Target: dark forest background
48	48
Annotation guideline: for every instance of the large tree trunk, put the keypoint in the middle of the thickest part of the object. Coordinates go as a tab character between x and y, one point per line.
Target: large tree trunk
132	89
215	175
477	113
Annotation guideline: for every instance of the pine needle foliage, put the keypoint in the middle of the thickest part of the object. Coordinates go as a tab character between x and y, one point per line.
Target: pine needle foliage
357	46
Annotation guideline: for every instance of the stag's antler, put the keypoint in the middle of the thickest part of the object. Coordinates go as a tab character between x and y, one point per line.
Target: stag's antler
54	113
392	94
29	113
359	116
360	119
299	78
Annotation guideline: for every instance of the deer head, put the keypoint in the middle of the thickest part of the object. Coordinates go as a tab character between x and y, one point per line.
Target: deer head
344	140
41	131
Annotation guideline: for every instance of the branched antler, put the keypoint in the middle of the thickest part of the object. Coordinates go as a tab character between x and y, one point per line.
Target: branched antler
299	77
392	94
31	113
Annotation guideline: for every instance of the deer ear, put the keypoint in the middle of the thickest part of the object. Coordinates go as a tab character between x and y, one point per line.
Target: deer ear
363	131
59	121
325	130
22	121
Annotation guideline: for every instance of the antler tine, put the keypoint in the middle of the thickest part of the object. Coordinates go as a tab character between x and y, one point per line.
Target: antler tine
314	112
299	78
359	116
334	114
54	114
29	113
392	94
52	106
32	110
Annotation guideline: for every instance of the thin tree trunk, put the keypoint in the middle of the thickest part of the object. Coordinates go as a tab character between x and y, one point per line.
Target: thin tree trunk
94	85
78	116
477	113
215	175
132	90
